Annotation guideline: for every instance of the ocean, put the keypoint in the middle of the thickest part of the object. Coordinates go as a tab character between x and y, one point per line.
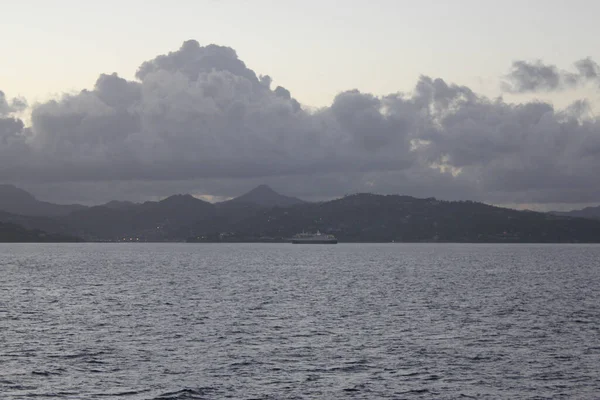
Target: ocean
281	321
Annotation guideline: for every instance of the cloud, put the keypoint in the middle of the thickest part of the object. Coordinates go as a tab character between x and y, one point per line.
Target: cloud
588	68
199	120
14	150
200	113
13	106
536	76
191	60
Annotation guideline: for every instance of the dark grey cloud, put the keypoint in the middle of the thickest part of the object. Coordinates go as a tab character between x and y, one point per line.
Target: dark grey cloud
14	150
588	68
199	120
10	106
536	76
200	113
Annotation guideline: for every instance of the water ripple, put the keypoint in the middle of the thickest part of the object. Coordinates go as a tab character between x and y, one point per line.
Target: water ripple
174	321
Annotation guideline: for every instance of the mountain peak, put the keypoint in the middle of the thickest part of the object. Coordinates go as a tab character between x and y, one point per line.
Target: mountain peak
263	195
181	199
15	193
15	200
263	189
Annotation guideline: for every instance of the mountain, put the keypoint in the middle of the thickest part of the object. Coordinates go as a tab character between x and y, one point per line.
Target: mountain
118	205
17	201
588	212
357	218
378	218
47	224
13	233
147	221
264	196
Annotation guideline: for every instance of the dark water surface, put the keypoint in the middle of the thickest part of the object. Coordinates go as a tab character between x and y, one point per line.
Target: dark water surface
261	321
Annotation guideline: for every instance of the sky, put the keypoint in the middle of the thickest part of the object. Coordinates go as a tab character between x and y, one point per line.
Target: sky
492	101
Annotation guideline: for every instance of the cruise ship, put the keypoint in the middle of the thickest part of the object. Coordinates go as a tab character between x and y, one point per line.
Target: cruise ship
314	238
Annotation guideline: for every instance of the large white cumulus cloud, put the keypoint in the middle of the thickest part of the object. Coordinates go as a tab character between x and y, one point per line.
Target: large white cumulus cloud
200	117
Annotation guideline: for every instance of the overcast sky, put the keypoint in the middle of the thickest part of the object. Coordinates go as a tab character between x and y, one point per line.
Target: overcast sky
486	100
